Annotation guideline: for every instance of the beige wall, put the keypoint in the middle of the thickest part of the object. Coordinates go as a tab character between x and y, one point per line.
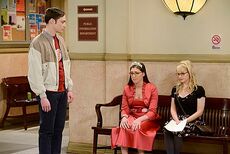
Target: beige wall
71	31
147	26
154	29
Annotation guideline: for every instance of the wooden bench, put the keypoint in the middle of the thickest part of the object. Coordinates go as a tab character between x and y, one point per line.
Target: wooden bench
216	114
15	92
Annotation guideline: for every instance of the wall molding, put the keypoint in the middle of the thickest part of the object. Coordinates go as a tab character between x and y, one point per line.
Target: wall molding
13	50
87	56
202	58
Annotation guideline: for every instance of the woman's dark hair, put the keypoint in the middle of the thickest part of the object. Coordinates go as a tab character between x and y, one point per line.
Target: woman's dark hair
142	68
53	13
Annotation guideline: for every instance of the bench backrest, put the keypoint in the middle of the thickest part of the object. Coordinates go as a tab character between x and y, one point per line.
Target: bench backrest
16	88
115	102
163	108
216	113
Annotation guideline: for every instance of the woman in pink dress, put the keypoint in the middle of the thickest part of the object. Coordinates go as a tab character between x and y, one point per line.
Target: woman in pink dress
138	124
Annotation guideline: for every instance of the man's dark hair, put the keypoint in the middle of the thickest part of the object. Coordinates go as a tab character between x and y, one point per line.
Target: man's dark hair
53	13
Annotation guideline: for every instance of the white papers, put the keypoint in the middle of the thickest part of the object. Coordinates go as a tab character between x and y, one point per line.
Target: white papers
173	127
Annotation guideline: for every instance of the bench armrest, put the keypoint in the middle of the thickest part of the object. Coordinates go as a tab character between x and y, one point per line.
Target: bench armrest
34	100
116	101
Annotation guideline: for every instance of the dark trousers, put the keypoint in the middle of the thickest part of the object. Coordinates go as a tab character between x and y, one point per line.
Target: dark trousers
52	123
173	143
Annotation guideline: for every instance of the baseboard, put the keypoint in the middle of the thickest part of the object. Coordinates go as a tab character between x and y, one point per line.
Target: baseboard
188	148
85	148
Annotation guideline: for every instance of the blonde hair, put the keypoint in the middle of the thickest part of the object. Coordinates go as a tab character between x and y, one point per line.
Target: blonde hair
192	79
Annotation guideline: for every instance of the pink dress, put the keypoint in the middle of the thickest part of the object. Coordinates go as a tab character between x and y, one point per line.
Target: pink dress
142	138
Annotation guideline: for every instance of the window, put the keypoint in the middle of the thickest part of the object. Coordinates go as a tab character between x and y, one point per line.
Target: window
21	20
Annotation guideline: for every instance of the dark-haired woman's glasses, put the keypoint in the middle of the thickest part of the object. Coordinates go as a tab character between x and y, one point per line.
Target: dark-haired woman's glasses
134	73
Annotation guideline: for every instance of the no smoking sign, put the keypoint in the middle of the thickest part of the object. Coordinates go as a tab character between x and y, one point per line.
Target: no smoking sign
216	39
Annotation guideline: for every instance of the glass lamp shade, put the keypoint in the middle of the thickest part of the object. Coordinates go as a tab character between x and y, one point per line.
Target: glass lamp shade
184	7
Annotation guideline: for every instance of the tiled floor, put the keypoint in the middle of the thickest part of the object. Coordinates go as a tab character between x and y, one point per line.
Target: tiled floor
16	140
20	141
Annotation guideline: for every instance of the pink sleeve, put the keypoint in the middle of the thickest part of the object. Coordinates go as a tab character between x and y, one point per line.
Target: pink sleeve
125	105
152	113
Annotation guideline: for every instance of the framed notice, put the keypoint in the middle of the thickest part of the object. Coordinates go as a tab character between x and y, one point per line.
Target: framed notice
87	28
32	6
7	33
33	31
20	5
41	6
21	22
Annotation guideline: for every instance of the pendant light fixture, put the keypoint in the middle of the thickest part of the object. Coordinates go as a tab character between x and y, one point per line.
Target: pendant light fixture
184	7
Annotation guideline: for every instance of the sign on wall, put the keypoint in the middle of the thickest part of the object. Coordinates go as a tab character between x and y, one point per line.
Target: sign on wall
88	9
216	40
87	24
87	28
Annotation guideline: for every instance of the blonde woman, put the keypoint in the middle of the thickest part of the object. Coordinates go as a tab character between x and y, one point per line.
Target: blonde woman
188	101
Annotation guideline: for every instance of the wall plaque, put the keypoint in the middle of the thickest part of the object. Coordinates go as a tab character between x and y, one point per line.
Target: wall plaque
88	9
87	28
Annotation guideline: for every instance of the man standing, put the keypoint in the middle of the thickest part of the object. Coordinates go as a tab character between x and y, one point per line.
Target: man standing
49	78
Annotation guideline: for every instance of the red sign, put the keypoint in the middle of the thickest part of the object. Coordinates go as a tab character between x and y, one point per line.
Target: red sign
7	32
216	39
87	28
89	9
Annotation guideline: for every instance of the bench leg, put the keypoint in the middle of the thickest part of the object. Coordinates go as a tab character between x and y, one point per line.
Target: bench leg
95	139
5	116
225	147
115	151
24	117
